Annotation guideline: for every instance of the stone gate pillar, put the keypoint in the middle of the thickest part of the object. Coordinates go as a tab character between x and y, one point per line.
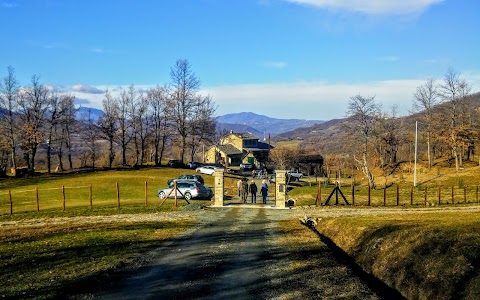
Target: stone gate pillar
281	188
218	187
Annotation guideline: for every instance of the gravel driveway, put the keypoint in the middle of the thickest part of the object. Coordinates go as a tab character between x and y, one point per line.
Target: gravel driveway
236	254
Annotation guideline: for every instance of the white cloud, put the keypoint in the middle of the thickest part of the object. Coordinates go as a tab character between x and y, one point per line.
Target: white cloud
372	7
300	100
87	89
82	102
94	95
310	100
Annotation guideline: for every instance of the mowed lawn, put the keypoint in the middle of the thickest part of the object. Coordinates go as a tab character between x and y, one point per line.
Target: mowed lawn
136	187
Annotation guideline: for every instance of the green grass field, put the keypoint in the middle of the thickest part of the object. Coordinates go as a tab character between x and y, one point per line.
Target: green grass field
41	260
103	184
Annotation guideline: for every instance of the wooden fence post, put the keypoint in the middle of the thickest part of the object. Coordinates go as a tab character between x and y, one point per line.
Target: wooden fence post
146	194
369	199
465	194
453	196
353	193
175	189
36	196
11	202
426	195
63	196
411	195
385	195
91	196
118	194
398	195
439	195
476	194
318	198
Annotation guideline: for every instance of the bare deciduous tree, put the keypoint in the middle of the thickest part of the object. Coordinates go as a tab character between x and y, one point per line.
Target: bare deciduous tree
185	85
108	125
141	126
90	135
425	99
124	125
8	101
202	126
363	115
390	135
286	157
67	125
160	112
453	90
33	104
52	122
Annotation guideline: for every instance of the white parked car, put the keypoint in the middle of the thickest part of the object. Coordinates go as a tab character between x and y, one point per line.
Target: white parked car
209	170
246	166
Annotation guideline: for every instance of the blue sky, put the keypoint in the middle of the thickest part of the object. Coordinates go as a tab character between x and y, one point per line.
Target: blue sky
281	58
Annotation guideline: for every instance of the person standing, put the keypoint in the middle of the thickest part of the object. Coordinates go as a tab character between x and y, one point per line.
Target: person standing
253	191
239	187
264	191
244	190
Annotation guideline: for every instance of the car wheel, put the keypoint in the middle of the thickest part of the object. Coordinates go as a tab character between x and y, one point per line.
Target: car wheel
188	196
162	195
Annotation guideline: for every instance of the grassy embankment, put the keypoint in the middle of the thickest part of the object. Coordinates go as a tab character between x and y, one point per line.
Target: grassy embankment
432	255
424	255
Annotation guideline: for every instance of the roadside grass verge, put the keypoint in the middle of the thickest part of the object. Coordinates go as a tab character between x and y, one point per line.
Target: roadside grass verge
312	265
422	255
43	258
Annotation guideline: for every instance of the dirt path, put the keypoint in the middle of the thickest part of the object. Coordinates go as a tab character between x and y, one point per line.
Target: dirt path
237	256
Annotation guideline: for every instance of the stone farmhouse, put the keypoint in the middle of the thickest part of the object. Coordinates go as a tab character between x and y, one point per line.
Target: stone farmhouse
237	148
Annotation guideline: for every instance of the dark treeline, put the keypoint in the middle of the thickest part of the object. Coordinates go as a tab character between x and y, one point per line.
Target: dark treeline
38	124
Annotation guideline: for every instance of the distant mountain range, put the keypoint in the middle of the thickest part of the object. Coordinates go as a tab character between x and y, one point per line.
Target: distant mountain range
260	125
84	113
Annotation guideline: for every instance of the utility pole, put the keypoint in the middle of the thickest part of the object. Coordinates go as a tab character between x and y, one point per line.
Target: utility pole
415	163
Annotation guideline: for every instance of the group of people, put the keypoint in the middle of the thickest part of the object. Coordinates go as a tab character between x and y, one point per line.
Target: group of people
244	188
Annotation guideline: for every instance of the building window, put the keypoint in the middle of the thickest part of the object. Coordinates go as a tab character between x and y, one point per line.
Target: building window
250	143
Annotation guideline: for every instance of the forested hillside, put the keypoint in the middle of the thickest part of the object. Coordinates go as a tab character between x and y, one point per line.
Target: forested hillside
445	111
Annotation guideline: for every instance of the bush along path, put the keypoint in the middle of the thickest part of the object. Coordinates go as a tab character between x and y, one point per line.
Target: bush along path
241	253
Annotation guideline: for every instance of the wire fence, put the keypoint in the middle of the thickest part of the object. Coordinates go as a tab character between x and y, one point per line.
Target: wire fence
63	197
87	196
397	195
